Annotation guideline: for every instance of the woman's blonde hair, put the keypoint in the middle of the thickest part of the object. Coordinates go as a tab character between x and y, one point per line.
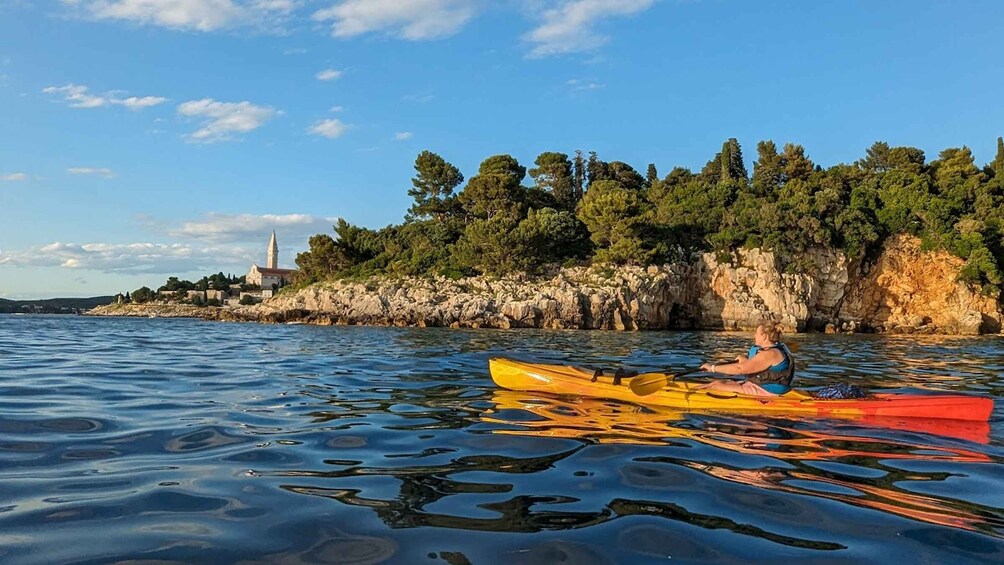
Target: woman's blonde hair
771	328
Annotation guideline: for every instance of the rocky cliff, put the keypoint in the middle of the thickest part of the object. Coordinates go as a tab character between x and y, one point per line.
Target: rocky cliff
903	290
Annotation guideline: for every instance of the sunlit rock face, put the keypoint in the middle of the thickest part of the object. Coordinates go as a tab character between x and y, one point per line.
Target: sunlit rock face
903	290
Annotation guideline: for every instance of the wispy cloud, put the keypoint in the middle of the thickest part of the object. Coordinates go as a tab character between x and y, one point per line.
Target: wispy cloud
99	171
329	74
579	85
221	120
129	258
78	96
14	177
569	27
403	135
191	15
336	109
419	97
247	227
411	19
209	243
330	128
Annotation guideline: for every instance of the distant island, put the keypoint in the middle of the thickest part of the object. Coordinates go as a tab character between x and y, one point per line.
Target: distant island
53	305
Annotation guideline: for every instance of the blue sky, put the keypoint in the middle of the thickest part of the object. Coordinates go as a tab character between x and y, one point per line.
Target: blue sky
145	138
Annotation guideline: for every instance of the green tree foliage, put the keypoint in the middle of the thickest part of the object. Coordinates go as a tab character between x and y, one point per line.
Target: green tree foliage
796	166
554	174
143	294
997	166
175	285
504	165
768	169
490	245
613	215
731	162
578	175
651	175
432	186
596	170
606	211
625	175
548	235
496	189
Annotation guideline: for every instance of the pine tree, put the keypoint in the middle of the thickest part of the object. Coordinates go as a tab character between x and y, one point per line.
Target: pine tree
998	163
578	175
767	170
731	162
651	176
596	170
433	185
553	174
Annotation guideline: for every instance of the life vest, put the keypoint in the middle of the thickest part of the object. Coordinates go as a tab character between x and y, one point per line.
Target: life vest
777	378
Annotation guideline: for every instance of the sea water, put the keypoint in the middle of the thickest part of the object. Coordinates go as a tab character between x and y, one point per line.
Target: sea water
195	442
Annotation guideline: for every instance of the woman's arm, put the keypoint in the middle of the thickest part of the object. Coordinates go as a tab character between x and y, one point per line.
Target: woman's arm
760	362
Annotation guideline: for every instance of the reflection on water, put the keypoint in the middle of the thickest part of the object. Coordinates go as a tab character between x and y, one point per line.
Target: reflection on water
187	442
611	422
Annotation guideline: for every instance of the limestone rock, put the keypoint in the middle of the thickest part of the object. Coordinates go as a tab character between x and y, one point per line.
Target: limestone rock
904	290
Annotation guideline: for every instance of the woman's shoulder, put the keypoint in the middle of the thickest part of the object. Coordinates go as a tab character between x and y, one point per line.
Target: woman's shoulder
772	352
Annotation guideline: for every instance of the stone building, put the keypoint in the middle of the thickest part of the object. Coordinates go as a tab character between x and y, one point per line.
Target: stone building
271	276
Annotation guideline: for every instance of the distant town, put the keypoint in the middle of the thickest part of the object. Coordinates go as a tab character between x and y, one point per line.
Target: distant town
212	290
218	289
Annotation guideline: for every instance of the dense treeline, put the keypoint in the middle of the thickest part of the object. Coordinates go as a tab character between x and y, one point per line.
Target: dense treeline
580	208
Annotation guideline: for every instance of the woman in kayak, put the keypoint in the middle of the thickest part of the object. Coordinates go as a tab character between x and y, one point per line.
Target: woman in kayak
769	368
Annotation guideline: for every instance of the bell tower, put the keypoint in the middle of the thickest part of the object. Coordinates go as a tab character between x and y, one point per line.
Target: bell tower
273	253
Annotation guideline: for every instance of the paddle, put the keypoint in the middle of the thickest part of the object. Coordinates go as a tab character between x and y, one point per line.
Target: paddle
644	385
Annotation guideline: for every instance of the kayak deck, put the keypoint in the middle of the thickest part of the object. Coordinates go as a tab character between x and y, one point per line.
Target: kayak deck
562	379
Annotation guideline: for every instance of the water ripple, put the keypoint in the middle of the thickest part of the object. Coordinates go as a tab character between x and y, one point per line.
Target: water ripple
180	441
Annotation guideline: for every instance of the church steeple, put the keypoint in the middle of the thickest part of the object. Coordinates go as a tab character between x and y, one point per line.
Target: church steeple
273	253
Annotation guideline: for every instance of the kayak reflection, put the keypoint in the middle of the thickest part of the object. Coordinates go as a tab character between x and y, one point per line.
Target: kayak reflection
614	422
851	444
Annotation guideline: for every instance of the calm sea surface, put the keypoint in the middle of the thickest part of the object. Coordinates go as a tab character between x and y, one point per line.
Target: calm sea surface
193	442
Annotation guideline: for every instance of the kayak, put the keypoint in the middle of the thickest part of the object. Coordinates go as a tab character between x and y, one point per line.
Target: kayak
562	379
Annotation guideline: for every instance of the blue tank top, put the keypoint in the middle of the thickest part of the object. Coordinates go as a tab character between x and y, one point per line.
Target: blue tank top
777	378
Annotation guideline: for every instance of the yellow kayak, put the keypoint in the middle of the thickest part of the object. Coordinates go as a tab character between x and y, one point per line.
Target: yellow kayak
562	379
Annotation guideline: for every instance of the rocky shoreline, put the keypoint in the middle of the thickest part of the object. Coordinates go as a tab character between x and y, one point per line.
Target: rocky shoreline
904	290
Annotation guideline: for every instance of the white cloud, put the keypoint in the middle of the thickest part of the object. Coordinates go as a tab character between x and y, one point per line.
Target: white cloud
223	119
138	102
336	109
411	19
14	177
100	171
329	74
330	128
77	96
580	85
207	244
569	27
248	227
197	15
403	135
134	258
